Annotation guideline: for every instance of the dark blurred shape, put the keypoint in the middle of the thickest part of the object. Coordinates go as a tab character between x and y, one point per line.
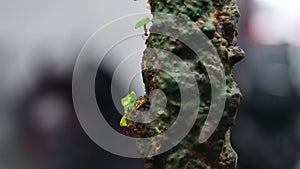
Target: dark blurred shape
51	134
266	134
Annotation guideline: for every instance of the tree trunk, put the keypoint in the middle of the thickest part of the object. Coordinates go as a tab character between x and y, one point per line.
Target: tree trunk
218	20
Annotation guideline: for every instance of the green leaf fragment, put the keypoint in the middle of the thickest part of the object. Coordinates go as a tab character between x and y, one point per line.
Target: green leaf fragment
123	122
157	130
129	100
127	103
142	22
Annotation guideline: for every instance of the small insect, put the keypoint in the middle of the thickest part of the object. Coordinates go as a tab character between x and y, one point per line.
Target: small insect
145	30
143	22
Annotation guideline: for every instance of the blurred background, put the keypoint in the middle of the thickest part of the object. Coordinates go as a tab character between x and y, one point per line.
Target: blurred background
40	41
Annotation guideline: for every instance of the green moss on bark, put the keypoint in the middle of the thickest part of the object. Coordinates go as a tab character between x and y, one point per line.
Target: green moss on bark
218	20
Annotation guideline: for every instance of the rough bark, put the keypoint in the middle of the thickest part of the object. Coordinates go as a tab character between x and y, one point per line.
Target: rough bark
218	20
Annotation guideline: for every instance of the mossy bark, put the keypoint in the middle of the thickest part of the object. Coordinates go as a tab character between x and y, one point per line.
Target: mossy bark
218	20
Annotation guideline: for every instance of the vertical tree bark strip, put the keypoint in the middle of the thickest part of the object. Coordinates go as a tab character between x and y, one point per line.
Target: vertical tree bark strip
218	20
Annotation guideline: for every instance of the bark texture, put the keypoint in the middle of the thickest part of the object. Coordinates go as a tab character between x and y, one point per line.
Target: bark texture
218	20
